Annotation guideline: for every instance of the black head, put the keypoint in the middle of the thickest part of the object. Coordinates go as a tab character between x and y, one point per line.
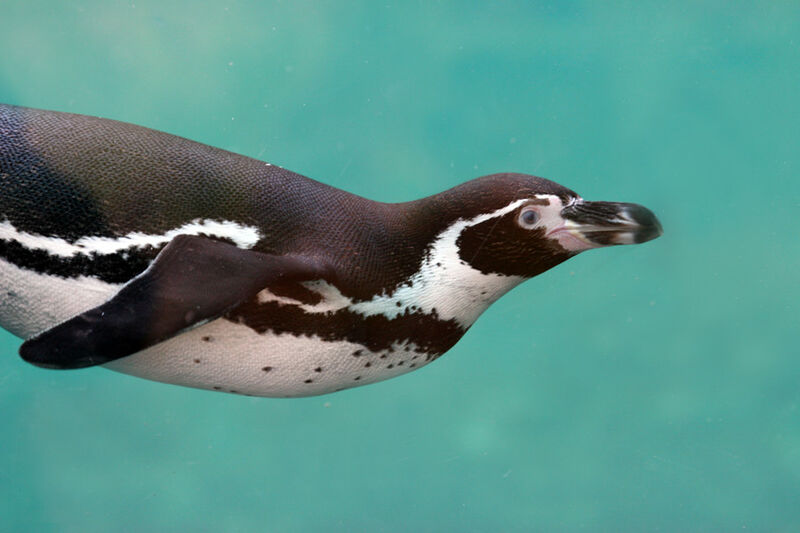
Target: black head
521	225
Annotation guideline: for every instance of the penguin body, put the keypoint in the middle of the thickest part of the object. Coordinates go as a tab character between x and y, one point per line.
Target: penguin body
171	260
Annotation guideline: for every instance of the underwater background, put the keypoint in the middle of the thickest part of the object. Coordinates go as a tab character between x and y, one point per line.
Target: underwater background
646	388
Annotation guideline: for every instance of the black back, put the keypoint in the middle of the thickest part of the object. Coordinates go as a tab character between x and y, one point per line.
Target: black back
70	176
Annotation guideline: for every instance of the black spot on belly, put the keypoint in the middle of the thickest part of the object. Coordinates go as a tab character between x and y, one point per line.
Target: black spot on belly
318	369
267	368
197	360
207	338
309	381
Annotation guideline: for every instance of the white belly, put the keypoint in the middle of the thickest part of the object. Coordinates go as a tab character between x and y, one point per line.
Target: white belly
220	355
226	356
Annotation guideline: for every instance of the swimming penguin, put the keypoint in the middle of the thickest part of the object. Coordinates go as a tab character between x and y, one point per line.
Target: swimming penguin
170	260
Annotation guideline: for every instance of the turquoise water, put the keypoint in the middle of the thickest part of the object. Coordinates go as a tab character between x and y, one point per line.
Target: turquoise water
648	388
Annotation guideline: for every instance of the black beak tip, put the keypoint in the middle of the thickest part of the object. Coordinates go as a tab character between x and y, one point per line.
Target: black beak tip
649	226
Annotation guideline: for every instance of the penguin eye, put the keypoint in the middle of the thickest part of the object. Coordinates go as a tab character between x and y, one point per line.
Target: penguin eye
528	218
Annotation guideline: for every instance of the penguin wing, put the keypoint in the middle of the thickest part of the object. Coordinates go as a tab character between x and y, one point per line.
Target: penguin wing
192	280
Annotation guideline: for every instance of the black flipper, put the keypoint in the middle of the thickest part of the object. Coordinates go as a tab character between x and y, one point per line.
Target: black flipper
193	279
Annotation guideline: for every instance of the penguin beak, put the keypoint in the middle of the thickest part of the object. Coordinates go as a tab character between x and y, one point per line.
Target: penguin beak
610	223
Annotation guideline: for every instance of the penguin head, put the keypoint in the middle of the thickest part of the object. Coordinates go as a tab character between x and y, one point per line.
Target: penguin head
535	224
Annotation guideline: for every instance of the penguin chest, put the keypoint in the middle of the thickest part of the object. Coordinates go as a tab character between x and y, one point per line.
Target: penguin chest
281	347
232	357
273	346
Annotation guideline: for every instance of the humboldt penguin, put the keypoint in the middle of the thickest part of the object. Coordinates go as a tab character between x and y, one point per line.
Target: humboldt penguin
174	261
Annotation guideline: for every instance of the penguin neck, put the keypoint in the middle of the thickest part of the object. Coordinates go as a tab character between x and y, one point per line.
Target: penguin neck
407	259
442	282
